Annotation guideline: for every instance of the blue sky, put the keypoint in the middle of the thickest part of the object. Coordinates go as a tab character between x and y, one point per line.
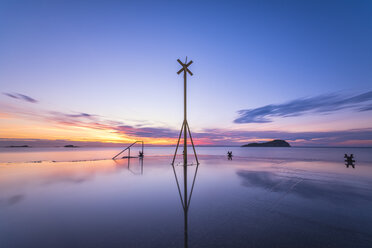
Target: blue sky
117	60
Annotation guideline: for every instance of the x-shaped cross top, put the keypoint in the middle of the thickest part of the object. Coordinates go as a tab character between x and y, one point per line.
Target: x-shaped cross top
184	67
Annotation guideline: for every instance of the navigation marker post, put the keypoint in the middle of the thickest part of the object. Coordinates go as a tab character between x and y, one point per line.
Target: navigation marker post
185	125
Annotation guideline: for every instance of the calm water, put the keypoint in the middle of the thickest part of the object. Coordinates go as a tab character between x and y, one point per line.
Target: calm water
264	197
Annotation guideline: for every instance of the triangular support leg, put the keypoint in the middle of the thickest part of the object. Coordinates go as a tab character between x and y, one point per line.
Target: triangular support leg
178	143
192	142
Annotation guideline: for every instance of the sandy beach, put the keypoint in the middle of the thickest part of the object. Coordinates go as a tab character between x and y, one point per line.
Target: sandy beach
299	197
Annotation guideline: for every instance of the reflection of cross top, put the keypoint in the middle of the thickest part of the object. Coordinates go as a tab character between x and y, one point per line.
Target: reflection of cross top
184	66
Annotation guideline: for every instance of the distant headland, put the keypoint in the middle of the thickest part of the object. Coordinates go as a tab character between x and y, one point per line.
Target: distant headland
21	146
273	143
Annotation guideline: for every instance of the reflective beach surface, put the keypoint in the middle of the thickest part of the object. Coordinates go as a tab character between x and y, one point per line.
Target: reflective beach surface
263	197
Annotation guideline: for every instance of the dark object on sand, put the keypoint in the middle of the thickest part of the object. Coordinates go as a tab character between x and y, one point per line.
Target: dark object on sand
274	143
349	160
229	155
18	146
70	146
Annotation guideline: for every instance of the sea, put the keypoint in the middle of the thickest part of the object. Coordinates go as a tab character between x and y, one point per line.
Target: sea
259	197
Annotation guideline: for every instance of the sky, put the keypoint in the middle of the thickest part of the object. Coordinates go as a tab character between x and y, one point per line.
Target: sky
104	72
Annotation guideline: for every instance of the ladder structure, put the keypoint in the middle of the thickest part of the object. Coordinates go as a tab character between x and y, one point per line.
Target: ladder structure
128	148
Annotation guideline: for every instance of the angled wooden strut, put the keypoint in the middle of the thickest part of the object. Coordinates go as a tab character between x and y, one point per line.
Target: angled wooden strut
185	125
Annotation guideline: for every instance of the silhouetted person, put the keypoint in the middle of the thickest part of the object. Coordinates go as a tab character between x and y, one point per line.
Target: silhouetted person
140	154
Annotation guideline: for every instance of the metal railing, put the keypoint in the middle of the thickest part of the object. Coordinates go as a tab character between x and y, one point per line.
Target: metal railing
128	148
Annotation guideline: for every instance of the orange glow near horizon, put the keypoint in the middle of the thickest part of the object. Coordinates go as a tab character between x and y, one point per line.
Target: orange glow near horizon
30	124
12	128
45	128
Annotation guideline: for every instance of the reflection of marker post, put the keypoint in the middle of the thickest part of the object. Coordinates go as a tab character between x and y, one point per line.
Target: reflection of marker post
185	126
185	199
186	205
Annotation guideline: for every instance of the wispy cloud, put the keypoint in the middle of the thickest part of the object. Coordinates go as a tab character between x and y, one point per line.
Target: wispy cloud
21	97
79	115
97	122
149	132
336	138
12	200
122	130
73	118
354	137
324	104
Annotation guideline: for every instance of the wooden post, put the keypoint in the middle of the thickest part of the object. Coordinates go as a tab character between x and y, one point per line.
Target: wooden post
185	126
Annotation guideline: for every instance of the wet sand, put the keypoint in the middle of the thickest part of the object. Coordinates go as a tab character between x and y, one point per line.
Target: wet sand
269	200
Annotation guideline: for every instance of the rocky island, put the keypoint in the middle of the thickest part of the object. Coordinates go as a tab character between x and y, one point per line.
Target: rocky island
273	143
70	146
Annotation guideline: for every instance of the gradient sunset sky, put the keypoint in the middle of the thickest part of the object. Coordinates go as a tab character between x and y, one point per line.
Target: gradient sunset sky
105	72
